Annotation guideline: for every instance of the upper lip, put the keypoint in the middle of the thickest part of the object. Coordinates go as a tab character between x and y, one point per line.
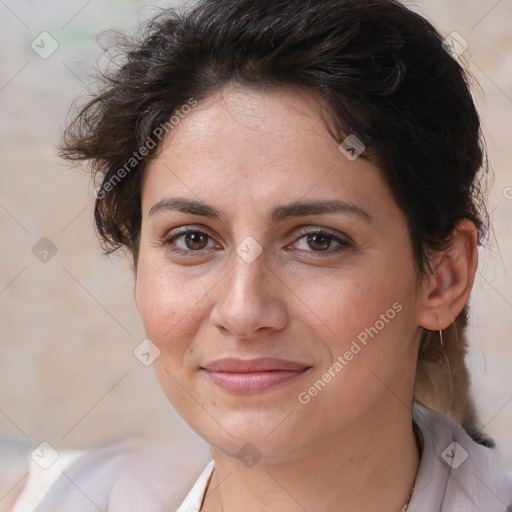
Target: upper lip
261	364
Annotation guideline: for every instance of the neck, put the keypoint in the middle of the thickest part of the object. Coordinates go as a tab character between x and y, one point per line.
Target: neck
371	469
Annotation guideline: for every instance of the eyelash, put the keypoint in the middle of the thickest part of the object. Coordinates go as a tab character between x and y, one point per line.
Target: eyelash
343	244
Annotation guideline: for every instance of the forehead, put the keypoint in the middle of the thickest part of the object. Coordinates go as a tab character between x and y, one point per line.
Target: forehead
257	146
243	124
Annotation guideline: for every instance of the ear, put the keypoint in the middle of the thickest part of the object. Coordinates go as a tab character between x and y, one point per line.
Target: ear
445	293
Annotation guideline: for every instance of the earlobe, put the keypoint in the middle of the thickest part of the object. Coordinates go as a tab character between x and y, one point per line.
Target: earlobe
447	291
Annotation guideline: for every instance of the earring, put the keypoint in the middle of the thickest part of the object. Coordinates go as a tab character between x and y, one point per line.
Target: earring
441	338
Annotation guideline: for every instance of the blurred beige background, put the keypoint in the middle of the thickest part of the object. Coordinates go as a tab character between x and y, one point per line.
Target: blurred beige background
69	325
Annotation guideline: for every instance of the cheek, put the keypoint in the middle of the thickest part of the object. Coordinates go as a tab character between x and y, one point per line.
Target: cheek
367	317
366	328
174	306
347	304
163	306
170	319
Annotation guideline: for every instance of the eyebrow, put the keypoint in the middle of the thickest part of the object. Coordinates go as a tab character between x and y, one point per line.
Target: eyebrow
278	213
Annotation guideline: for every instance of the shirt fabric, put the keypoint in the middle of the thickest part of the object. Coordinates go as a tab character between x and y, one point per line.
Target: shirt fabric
455	475
41	478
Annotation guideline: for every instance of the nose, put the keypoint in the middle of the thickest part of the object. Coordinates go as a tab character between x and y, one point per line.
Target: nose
250	302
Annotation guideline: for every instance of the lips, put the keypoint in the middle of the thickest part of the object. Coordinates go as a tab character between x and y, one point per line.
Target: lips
253	375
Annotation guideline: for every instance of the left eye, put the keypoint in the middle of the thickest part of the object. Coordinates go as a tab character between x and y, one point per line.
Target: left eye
321	241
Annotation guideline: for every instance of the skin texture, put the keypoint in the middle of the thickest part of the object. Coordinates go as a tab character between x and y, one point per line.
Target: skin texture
352	446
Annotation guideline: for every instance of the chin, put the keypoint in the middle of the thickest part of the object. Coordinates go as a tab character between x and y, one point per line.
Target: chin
257	435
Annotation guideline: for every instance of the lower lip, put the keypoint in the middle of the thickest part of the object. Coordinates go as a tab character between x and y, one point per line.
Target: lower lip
253	381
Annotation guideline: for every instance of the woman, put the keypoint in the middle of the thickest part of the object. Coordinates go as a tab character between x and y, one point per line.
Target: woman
298	184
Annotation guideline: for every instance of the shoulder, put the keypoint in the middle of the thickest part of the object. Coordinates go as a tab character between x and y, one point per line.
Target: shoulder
455	472
133	475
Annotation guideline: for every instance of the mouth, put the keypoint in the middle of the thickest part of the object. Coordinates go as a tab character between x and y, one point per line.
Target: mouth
253	375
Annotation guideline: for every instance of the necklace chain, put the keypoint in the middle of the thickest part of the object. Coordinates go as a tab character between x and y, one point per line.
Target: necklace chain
406	506
403	509
419	439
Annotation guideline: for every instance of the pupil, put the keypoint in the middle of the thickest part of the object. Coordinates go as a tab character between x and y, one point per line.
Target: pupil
319	239
193	239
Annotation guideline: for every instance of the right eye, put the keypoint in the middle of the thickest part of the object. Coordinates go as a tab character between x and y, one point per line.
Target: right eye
191	240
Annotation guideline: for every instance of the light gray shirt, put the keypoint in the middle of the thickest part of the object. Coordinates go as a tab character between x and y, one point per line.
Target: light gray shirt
455	475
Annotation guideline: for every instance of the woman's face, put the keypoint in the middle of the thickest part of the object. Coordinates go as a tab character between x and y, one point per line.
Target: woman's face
253	280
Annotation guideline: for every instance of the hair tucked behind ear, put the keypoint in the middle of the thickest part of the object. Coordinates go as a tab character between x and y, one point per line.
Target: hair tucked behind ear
385	76
443	380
